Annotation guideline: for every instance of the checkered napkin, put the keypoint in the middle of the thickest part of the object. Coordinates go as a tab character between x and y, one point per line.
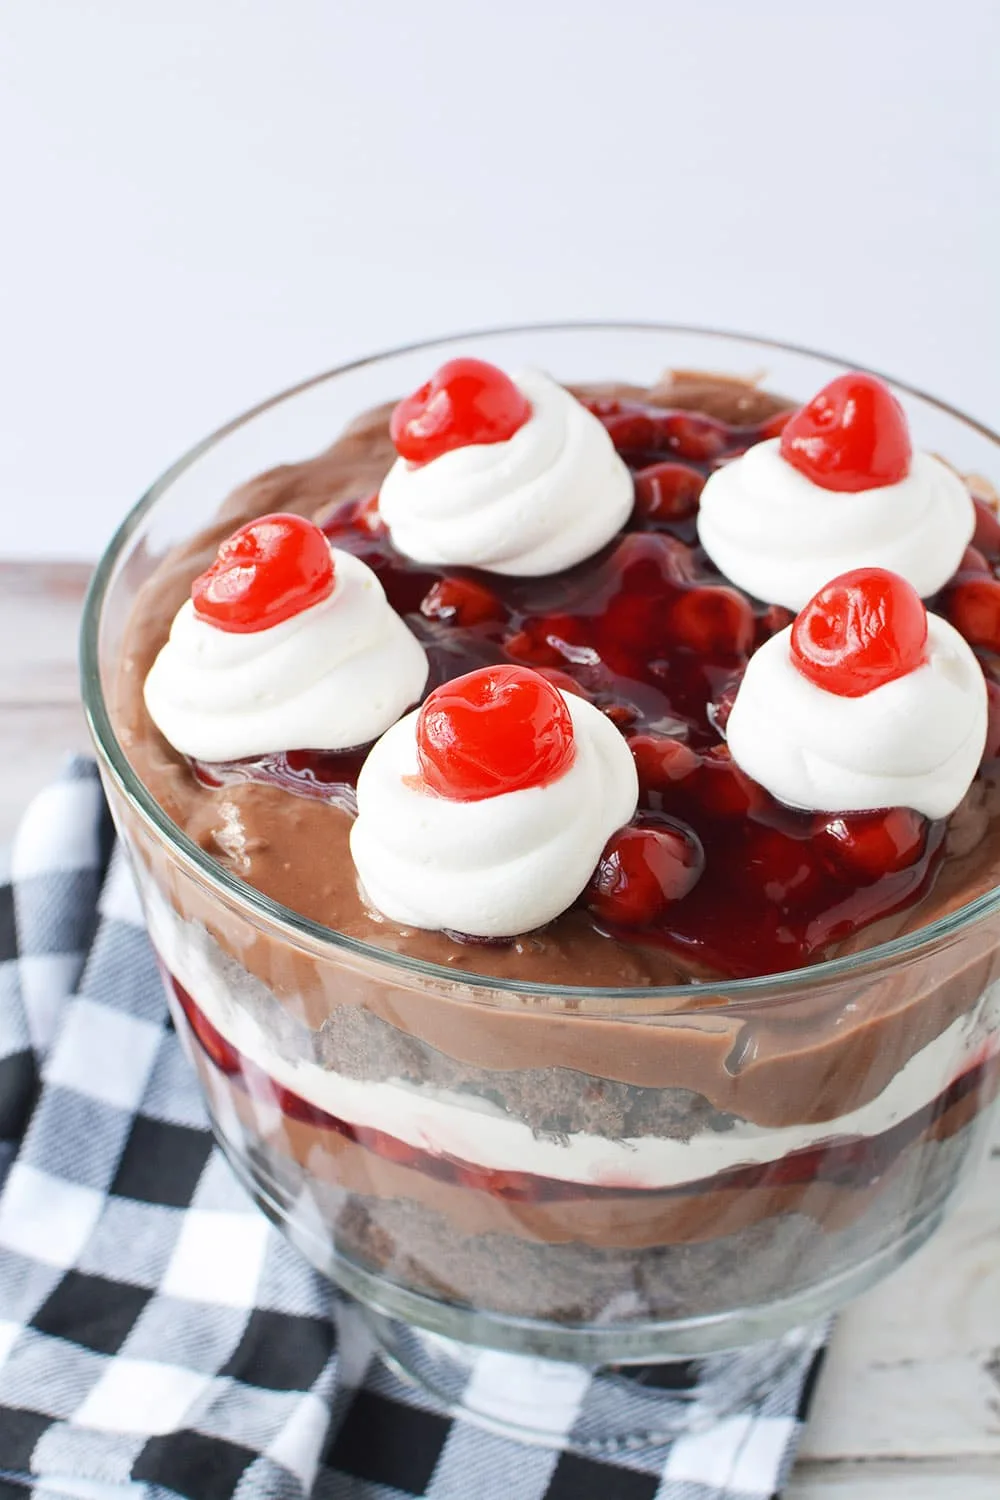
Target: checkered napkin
157	1336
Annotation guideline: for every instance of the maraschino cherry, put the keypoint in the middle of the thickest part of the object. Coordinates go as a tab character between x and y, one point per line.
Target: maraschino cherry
499	729
264	573
862	630
852	436
468	401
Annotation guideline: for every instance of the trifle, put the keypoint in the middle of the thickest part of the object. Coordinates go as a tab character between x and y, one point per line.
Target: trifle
565	809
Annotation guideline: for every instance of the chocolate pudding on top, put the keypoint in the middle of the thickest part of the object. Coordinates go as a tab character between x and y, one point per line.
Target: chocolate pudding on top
728	830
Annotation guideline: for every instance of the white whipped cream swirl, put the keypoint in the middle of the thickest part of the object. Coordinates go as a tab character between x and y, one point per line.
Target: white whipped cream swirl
914	742
498	866
537	503
329	678
781	537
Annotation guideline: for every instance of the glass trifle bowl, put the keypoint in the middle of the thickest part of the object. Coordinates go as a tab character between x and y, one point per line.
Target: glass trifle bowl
582	1173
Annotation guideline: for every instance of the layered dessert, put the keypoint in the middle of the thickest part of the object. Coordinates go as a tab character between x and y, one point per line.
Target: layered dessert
543	700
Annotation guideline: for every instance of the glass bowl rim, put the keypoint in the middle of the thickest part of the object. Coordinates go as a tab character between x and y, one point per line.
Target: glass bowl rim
788	982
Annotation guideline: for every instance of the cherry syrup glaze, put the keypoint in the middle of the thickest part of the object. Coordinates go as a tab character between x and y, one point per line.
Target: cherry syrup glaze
846	1161
650	632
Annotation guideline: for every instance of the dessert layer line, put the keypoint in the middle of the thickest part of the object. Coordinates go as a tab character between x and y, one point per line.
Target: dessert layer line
477	1131
339	1169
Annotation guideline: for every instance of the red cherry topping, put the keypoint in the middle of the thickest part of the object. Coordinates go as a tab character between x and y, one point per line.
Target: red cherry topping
987	534
775	617
973	607
660	761
367	517
264	573
499	729
866	846
774	426
468	401
549	640
691	435
852	436
563	681
461	601
864	629
641	871
712	619
973	564
783	867
724	789
668	492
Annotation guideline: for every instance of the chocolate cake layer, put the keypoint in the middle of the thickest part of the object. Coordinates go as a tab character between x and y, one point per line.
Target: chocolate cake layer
478	1251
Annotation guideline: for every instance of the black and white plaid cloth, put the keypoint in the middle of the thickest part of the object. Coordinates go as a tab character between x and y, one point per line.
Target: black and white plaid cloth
157	1336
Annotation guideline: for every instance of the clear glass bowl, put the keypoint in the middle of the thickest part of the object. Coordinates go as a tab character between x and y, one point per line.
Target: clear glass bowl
596	1177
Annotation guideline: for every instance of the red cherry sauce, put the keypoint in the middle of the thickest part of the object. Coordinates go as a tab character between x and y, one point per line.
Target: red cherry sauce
652	633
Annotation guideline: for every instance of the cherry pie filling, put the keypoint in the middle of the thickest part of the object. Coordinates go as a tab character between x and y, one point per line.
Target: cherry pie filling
652	634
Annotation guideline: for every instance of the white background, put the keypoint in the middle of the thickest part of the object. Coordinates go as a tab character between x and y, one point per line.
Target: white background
206	200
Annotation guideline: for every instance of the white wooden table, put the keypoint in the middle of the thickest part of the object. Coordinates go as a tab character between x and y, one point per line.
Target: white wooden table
909	1404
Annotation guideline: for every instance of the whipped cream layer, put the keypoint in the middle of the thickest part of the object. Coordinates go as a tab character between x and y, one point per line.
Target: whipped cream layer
914	742
498	866
779	536
332	677
543	500
477	1131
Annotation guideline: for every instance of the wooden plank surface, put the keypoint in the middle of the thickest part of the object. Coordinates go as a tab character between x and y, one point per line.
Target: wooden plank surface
908	1407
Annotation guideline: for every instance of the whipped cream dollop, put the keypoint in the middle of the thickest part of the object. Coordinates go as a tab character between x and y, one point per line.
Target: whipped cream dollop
914	742
773	532
333	676
500	865
541	501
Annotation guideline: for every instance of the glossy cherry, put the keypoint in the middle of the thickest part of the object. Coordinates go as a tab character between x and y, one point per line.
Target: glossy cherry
852	436
466	402
551	641
635	428
667	492
775	617
866	846
712	620
461	601
499	729
987	533
724	789
973	607
784	868
973	565
661	761
643	870
264	573
864	629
